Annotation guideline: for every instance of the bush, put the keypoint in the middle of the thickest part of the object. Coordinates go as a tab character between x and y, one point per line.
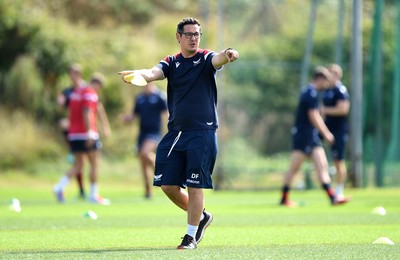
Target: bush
23	141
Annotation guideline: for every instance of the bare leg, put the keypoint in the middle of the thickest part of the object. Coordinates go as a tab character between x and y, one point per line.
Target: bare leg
147	159
318	157
78	165
195	206
341	172
63	182
177	195
297	158
321	165
93	160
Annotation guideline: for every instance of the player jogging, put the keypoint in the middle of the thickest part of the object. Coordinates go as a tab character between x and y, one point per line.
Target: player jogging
150	106
306	140
336	108
186	155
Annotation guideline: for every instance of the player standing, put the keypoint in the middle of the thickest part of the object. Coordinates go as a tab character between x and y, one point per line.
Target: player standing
306	140
336	108
84	137
186	154
150	106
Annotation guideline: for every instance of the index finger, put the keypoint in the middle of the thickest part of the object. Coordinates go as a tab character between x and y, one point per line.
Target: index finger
125	72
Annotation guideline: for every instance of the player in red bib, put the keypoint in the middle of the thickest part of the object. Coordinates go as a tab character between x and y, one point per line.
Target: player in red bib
84	137
75	74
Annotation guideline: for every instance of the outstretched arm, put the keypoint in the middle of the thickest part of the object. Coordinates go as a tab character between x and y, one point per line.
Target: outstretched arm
224	57
149	75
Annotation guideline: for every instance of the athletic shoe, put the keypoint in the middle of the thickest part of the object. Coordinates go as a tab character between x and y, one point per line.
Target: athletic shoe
148	196
188	242
82	194
208	218
289	204
99	200
59	196
339	200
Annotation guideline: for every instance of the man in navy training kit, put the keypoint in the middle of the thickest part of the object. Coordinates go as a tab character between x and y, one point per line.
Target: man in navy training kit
186	155
306	140
335	109
150	106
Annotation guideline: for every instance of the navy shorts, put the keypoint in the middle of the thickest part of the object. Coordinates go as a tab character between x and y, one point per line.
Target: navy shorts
306	144
146	136
81	146
186	159
338	148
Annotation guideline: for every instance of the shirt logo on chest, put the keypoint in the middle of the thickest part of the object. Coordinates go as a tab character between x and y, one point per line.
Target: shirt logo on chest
196	62
177	64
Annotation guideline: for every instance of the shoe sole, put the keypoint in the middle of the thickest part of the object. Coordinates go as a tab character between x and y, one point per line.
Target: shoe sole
185	248
208	223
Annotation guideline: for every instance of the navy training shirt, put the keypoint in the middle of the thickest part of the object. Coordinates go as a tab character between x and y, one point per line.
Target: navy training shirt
308	100
149	108
330	98
67	93
191	90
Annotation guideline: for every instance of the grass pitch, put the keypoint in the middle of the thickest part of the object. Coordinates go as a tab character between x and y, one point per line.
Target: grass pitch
247	225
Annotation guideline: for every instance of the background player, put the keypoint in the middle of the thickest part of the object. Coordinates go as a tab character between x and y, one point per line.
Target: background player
150	107
306	140
335	109
75	75
186	154
84	137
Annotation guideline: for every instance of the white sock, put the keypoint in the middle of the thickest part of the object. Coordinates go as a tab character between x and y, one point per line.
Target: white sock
94	190
191	230
61	184
339	189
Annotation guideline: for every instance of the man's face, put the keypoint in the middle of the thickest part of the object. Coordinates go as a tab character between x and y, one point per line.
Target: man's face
74	76
325	83
96	86
190	38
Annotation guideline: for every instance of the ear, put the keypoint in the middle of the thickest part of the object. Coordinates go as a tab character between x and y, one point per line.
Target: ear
178	37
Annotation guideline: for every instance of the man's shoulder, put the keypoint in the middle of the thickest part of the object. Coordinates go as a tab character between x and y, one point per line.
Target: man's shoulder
68	90
170	58
309	91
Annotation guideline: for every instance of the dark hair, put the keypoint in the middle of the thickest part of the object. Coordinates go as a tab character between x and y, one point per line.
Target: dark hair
97	78
186	21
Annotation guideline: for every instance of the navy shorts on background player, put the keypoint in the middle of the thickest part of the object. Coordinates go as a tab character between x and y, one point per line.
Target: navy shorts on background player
80	146
306	144
147	136
186	159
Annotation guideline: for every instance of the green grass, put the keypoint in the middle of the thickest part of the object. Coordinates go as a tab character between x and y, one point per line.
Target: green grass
247	225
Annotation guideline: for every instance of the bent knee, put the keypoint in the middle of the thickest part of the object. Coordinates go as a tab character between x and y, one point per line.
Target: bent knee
168	189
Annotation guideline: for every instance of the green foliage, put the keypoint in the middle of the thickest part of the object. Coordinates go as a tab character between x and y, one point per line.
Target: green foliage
16	32
23	85
24	141
100	12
